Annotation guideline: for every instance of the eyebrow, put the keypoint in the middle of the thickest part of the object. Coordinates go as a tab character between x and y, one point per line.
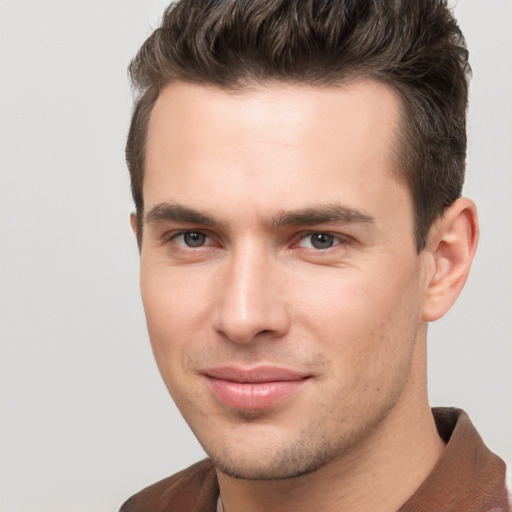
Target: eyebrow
322	214
167	212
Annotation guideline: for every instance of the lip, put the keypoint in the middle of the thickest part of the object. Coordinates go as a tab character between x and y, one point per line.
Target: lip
253	389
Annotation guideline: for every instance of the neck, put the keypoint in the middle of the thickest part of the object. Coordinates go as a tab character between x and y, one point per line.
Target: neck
379	480
379	474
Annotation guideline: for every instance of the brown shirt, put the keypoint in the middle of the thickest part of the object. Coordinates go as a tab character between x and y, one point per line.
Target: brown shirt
467	478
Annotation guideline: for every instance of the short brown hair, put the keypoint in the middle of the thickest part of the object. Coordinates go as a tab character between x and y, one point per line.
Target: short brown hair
414	46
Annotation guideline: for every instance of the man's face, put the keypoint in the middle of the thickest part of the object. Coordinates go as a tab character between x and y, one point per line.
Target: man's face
279	273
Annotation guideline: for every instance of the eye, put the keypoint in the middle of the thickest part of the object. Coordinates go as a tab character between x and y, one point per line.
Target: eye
191	239
319	241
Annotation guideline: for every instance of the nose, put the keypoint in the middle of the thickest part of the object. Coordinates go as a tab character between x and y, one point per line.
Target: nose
250	303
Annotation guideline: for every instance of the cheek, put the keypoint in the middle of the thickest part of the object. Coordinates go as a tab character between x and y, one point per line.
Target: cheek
369	340
173	306
367	322
173	297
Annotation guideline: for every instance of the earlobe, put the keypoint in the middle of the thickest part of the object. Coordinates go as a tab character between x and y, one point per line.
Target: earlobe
452	246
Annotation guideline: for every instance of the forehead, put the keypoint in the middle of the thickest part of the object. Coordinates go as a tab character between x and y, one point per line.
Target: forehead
284	112
324	144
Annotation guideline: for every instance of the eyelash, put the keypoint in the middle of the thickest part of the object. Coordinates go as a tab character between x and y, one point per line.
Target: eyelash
337	239
173	237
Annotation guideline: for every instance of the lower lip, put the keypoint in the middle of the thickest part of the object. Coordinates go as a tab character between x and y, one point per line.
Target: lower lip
252	396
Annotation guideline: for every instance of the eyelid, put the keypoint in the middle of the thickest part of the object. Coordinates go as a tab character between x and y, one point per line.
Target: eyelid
341	239
171	236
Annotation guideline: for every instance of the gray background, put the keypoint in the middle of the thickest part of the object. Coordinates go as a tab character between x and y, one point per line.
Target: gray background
85	420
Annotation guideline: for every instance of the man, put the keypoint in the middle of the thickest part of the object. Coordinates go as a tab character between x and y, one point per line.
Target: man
297	169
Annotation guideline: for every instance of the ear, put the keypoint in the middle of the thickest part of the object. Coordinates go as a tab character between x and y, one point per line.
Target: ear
452	244
133	222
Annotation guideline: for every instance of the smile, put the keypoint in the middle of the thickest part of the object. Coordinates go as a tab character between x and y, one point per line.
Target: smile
253	390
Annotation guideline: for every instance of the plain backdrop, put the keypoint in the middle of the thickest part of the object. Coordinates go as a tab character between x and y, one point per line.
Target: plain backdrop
85	419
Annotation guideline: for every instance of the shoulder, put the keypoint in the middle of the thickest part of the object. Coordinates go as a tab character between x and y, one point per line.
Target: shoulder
193	489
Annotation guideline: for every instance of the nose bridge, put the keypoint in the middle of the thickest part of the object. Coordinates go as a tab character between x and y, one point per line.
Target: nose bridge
248	304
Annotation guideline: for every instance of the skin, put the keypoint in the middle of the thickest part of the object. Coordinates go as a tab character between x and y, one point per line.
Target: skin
351	315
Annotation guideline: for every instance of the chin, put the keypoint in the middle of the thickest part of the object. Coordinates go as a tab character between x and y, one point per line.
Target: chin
291	462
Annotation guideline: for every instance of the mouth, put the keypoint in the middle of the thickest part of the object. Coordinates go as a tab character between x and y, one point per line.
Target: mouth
253	389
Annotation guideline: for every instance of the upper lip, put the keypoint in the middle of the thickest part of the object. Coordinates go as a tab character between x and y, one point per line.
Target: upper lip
264	373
